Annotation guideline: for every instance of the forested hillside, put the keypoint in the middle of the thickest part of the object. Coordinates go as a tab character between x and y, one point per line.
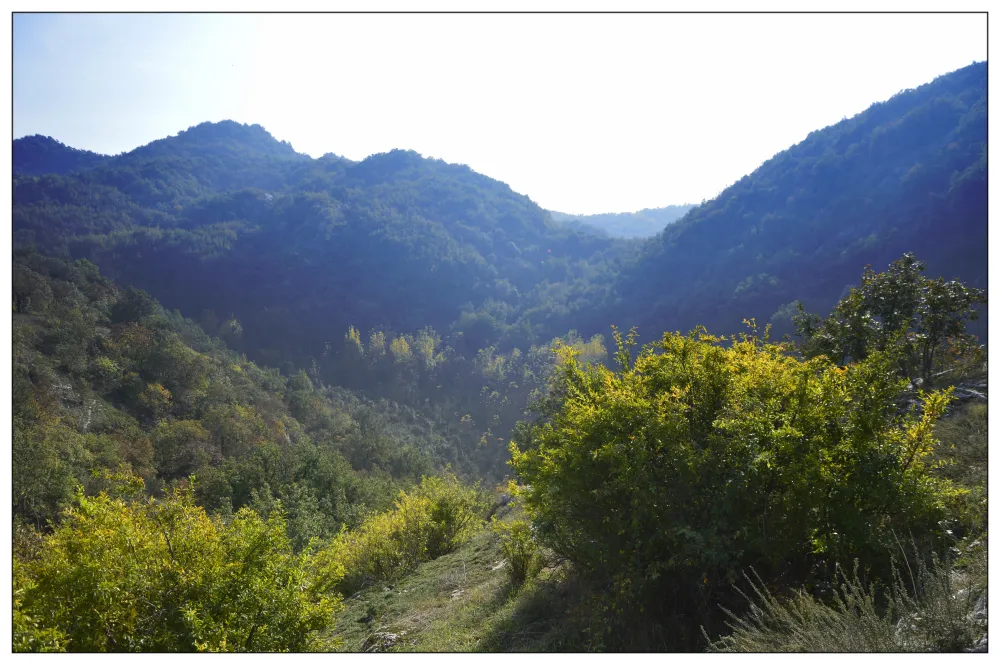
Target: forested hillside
642	224
37	155
104	376
298	250
908	174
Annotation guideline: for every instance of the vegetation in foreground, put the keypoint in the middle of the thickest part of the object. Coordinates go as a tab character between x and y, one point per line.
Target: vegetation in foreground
649	493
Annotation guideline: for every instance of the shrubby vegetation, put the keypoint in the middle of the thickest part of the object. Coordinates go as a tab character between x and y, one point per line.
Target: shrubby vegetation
122	572
697	460
477	399
431	520
661	482
930	604
941	608
519	548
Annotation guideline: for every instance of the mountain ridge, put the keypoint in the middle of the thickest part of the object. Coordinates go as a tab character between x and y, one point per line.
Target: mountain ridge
907	174
467	253
38	154
643	223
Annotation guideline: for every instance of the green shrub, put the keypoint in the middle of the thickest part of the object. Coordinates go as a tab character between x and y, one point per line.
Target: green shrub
520	551
122	573
431	520
667	478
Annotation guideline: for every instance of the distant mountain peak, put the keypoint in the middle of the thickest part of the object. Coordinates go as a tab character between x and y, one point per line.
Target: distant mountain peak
226	136
228	128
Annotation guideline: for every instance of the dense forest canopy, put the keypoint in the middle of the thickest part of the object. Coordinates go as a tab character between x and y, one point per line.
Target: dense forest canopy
254	391
298	250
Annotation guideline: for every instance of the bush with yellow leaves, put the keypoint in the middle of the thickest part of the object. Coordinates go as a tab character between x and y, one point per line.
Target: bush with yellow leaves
121	572
431	520
701	458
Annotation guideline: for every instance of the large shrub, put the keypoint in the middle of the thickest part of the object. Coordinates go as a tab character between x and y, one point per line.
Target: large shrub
122	573
669	477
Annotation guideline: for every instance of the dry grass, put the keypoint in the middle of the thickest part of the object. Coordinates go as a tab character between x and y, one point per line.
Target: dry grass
940	608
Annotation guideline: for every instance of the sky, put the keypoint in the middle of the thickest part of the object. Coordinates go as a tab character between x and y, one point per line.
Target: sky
583	113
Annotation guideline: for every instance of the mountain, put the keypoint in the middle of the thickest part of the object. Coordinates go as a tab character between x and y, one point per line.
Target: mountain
225	223
298	250
37	154
642	224
907	174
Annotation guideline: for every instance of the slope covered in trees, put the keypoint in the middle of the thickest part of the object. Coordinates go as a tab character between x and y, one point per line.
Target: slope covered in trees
908	174
298	250
37	155
246	506
104	376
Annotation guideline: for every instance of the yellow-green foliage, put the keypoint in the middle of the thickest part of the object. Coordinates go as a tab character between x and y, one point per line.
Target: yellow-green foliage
699	460
520	551
964	451
592	351
123	573
376	344
425	523
400	350
353	338
427	348
155	399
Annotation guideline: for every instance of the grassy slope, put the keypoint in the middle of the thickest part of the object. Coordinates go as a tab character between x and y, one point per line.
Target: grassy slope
460	602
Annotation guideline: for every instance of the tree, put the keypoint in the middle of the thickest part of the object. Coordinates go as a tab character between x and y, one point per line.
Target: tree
898	307
132	307
942	313
31	293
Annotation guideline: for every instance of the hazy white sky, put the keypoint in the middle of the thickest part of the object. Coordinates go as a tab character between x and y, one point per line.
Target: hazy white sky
583	113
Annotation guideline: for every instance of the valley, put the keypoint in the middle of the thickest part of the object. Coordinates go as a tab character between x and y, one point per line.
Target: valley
418	412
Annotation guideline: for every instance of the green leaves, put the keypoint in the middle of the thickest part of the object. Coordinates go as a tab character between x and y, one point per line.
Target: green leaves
698	459
518	546
425	523
901	312
122	574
